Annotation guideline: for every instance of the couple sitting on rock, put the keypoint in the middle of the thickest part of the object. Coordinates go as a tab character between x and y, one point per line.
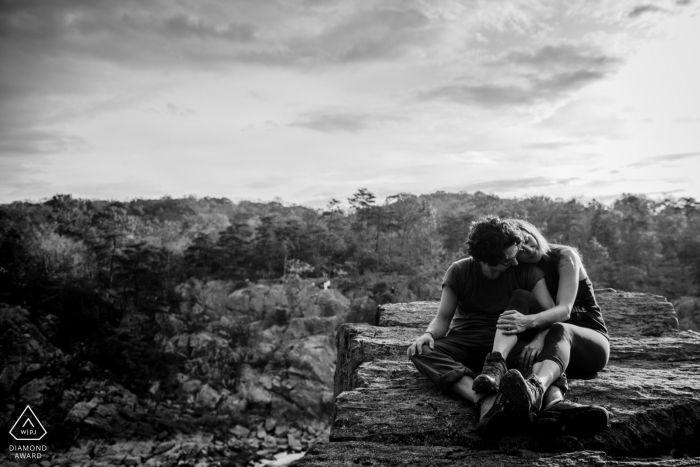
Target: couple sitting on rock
503	316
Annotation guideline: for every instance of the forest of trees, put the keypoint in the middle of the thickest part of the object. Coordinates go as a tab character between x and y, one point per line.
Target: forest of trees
135	252
92	262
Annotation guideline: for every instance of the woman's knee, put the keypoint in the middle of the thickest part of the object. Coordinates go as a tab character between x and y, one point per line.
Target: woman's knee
559	332
523	301
559	329
524	295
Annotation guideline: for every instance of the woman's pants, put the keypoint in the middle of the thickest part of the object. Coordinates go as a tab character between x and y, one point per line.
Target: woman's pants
581	352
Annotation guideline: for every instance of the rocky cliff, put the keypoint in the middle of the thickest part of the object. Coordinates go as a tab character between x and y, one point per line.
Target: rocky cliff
386	413
255	377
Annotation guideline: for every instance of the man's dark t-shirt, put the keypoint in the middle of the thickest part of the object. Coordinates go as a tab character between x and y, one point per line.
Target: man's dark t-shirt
481	300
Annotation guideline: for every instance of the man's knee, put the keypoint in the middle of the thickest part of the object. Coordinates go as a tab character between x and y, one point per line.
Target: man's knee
425	353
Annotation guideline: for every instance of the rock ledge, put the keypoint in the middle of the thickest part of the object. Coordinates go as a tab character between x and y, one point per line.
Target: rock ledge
386	413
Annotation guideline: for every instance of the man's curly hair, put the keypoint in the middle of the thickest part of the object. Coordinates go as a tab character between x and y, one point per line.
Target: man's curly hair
489	236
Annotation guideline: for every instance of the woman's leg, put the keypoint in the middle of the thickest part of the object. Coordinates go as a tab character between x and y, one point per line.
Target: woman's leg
526	303
495	365
573	349
582	352
566	346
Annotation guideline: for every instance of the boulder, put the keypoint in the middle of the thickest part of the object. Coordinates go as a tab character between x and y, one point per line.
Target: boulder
688	311
32	370
386	413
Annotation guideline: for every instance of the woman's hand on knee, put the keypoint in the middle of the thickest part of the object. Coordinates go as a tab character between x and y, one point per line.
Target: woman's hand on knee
417	347
513	322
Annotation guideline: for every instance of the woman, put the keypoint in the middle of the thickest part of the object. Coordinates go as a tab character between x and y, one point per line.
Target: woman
579	345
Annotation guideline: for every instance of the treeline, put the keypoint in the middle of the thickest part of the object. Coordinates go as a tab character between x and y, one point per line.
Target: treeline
136	252
92	262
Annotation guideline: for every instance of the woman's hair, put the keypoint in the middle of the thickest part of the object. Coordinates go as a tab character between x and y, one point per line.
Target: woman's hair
551	254
525	226
489	236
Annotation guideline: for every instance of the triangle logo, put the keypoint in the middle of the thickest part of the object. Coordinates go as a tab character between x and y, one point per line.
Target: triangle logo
28	427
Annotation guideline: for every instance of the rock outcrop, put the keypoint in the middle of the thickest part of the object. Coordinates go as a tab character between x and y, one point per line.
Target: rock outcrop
255	378
386	413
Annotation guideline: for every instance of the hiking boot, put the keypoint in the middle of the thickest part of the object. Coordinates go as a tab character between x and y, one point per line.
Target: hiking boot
490	378
493	413
525	395
572	419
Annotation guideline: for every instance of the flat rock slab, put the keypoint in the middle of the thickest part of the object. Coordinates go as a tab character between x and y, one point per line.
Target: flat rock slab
671	347
388	414
652	409
354	454
360	343
625	314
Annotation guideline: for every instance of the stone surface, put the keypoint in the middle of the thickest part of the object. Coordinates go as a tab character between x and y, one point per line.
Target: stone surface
625	313
651	387
32	370
352	454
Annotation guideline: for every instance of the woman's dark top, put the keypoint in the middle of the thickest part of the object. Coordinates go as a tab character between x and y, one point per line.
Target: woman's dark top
480	300
586	311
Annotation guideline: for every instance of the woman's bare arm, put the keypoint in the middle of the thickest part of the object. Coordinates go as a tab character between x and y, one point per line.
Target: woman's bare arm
570	271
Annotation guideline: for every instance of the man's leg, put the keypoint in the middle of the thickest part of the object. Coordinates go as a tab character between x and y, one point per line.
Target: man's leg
463	388
449	367
450	364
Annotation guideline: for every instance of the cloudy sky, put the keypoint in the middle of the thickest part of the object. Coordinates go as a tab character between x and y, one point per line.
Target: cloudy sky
311	99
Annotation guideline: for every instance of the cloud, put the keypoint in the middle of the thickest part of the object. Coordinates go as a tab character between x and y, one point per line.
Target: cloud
512	184
179	111
370	34
271	181
182	25
643	9
349	122
23	142
663	158
687	119
157	34
525	77
554	145
533	90
477	157
564	56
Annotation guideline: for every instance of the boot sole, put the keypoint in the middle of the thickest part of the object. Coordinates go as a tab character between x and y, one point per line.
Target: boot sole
495	427
514	387
584	423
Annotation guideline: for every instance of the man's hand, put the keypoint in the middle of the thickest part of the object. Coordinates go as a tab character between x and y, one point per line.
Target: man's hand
512	322
531	351
417	346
